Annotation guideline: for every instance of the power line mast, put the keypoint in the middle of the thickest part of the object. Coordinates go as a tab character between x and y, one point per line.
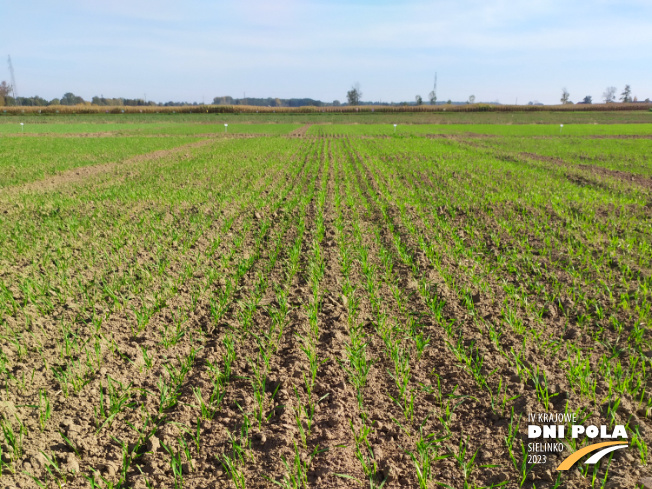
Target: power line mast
13	80
433	94
435	87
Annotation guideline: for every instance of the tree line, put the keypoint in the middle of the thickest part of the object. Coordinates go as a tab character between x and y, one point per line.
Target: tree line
67	99
269	102
6	99
353	98
608	96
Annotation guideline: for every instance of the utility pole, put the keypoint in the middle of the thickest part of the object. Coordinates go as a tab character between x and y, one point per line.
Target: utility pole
433	94
13	81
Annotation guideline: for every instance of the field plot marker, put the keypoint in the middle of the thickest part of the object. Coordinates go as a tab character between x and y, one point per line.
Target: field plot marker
561	126
394	128
225	126
22	127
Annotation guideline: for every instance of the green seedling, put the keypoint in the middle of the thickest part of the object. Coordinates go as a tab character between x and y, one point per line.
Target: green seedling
176	465
13	439
70	444
365	454
542	389
426	452
296	472
114	399
37	481
501	395
45	409
168	395
234	464
466	463
421	342
639	442
207	410
53	469
185	449
147	358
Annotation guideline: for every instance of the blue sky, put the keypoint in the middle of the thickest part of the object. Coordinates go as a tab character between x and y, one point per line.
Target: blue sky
498	50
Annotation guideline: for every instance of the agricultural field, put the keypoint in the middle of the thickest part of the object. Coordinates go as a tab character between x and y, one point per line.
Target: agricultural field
298	304
470	130
133	128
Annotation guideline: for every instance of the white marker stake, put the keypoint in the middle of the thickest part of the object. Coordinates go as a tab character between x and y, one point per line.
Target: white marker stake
22	127
225	126
394	128
561	126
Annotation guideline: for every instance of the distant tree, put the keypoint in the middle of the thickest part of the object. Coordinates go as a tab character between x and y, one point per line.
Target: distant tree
418	100
609	95
354	95
71	99
55	101
635	99
471	99
228	100
277	102
5	90
138	101
587	100
432	96
449	101
564	96
32	101
336	103
626	96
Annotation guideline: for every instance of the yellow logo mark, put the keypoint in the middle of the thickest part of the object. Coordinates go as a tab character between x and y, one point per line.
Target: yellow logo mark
571	459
